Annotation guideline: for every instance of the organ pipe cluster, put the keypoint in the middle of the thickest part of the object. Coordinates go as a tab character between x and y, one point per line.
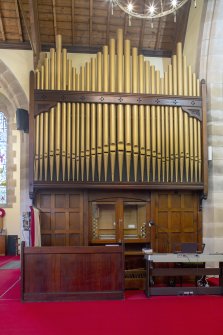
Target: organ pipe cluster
106	142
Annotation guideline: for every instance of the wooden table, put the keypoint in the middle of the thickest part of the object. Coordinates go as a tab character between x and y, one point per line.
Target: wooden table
194	270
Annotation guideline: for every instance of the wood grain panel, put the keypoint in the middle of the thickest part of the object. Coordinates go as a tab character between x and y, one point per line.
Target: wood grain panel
74	273
61	217
60	221
177	219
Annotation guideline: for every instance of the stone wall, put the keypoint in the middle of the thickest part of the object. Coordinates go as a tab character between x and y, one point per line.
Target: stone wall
211	69
12	96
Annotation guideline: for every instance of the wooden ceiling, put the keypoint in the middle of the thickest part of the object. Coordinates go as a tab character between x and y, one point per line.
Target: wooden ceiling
85	26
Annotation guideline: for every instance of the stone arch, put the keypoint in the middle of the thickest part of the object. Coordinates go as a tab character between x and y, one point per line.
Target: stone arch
12	96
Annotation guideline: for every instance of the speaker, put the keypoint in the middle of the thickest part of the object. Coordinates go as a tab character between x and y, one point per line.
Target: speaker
12	245
22	120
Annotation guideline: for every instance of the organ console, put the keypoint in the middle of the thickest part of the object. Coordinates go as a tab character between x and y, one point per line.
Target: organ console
193	260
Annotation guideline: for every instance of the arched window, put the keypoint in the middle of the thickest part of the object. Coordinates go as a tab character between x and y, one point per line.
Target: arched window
3	159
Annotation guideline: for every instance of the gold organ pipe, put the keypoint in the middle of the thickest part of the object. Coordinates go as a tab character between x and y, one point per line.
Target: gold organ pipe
153	121
69	86
82	121
176	129
78	129
186	121
199	138
167	129
191	128
120	109
52	113
93	118
73	127
58	108
128	128
198	87
88	121
135	118
64	114
46	120
171	119
105	113
99	115
72	134
112	108
158	125
148	121
194	89
37	123
42	77
163	139
142	141
41	128
180	112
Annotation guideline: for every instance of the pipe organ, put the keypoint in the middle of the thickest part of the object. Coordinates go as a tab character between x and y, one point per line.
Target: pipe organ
114	145
117	121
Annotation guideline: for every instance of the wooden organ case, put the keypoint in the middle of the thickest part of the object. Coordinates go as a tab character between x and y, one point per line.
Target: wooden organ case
113	146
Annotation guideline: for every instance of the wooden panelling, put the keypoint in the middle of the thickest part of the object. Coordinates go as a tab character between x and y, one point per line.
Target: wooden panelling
74	273
176	215
177	219
61	218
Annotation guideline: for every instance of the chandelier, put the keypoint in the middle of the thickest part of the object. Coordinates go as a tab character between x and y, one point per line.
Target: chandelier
152	9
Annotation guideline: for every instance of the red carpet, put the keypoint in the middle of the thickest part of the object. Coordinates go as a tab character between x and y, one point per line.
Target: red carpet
8	280
135	315
6	259
158	315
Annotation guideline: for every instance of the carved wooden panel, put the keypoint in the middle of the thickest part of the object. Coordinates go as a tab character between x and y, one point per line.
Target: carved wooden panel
61	217
176	219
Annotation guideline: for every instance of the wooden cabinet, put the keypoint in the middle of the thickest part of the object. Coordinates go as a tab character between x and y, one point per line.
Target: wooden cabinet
123	220
2	245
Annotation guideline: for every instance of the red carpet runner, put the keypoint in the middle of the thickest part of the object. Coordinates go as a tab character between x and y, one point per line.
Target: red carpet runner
133	316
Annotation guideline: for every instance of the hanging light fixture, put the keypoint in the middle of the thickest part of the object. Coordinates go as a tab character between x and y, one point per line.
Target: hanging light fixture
153	9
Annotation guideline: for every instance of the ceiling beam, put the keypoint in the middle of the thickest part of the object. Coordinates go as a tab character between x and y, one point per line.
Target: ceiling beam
80	49
19	21
16	45
90	20
125	25
54	18
2	27
158	35
109	8
26	25
72	21
35	32
142	28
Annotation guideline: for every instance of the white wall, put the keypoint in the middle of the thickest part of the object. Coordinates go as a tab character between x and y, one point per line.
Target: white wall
20	62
